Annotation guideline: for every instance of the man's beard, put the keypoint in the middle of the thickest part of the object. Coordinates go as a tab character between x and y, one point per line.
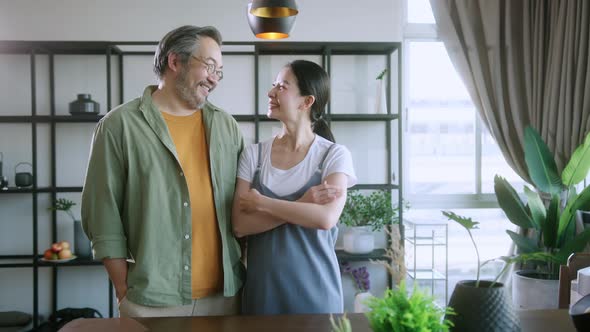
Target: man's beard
187	93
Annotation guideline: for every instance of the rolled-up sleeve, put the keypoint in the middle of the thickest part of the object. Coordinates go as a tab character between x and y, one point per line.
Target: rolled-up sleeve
102	195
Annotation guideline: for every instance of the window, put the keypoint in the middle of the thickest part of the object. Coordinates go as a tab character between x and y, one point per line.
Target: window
450	159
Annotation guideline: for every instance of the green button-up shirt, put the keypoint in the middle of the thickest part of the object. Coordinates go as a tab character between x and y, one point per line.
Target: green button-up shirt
135	202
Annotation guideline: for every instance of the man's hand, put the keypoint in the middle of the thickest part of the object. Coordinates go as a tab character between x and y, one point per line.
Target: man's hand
321	194
251	202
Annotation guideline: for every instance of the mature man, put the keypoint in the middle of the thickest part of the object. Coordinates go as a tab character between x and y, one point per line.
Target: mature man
159	187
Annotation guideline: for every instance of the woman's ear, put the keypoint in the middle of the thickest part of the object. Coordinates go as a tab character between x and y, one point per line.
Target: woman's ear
308	101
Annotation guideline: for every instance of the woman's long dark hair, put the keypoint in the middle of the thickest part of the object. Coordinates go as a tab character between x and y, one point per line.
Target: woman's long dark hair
313	80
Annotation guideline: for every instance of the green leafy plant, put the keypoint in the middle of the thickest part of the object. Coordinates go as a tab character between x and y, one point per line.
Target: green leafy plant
65	205
552	225
375	210
341	324
398	312
382	74
468	224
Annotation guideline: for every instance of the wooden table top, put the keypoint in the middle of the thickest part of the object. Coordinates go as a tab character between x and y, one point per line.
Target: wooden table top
531	321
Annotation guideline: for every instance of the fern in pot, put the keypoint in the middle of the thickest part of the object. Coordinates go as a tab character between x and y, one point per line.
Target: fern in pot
363	215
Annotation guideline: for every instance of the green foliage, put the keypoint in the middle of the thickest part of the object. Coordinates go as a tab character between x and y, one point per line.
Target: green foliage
398	312
62	204
553	223
468	224
341	324
375	210
382	74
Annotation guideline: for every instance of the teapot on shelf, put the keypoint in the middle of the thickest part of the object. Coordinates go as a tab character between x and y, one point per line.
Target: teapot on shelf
23	179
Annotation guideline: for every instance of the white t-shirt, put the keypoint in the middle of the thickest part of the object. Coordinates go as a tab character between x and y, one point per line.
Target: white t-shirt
285	182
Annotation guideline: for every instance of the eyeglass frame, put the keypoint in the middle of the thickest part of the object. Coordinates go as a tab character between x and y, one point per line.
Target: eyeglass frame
211	68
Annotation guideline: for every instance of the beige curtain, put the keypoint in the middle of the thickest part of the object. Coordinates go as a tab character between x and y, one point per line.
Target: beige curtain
523	62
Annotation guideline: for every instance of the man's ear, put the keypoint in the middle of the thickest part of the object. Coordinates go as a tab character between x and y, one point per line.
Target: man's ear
174	62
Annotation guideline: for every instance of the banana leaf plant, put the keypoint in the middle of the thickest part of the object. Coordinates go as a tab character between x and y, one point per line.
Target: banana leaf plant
553	223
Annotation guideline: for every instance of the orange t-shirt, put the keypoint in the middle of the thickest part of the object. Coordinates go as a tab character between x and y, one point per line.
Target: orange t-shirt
188	134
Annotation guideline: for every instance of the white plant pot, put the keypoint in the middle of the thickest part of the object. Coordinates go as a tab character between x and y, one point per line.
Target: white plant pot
360	302
358	240
530	293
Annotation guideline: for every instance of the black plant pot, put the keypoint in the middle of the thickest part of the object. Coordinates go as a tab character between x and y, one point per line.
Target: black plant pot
482	309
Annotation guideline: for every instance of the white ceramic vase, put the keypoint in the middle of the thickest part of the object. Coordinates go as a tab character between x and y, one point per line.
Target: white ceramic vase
358	240
380	98
360	300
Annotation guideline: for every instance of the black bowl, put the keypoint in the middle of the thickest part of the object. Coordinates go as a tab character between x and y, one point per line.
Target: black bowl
580	313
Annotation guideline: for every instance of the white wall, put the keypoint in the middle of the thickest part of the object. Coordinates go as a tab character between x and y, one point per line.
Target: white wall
120	20
319	20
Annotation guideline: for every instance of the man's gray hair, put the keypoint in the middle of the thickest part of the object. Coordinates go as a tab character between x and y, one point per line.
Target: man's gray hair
182	41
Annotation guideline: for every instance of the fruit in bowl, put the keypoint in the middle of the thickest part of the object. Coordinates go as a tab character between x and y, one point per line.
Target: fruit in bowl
58	251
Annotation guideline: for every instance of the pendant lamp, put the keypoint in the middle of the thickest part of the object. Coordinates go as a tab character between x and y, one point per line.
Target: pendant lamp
273	8
268	27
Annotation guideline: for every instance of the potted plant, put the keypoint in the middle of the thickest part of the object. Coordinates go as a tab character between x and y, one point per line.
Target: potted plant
362	284
82	246
380	94
364	214
397	311
547	220
480	305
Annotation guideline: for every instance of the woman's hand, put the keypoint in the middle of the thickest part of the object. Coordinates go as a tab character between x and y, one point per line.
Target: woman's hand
321	194
251	201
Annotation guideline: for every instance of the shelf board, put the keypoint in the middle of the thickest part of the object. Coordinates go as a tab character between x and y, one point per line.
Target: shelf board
15	190
15	261
343	256
425	241
79	261
426	274
363	117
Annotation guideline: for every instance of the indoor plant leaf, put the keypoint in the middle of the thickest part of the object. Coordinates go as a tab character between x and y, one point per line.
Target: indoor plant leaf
577	168
576	245
468	223
540	163
536	207
511	204
581	202
524	244
551	223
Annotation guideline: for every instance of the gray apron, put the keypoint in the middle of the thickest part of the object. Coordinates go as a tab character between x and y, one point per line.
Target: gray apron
292	269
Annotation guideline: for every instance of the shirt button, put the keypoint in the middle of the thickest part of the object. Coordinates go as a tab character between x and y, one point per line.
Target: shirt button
186	267
181	174
185	204
186	236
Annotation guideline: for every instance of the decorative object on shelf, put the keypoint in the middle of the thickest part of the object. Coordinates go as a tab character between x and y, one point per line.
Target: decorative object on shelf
58	252
397	311
381	94
549	219
394	256
84	105
270	27
23	179
362	283
358	240
341	324
14	318
3	179
364	214
480	305
82	245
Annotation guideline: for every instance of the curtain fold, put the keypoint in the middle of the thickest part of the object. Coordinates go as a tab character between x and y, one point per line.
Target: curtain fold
524	63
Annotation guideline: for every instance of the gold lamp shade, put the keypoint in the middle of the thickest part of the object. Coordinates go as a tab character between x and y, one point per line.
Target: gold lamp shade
274	8
270	28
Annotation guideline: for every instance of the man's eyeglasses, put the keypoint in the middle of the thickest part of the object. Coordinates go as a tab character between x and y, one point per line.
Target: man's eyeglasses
211	68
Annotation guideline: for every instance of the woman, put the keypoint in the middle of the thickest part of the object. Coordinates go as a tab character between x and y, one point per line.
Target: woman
290	192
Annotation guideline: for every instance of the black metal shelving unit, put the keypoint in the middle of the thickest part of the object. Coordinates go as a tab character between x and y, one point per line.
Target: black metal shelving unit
115	49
